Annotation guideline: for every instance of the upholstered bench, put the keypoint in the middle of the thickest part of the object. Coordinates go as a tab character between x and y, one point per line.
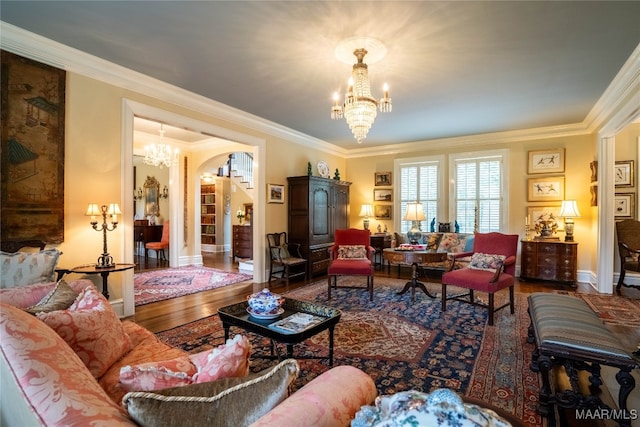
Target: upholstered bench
568	333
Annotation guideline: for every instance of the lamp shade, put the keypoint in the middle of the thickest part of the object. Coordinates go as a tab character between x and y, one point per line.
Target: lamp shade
366	211
569	209
414	212
93	210
114	209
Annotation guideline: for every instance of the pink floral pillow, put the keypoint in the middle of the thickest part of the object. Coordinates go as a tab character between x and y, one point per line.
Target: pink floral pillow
352	252
158	375
225	361
92	329
488	262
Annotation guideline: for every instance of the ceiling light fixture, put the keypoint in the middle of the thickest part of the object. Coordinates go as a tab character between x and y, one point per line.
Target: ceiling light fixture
160	154
359	107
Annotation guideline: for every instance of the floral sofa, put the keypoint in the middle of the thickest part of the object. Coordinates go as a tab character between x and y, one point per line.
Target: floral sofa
446	243
74	366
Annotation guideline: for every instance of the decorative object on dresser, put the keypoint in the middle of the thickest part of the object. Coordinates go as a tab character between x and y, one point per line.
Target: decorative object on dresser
105	260
366	211
242	241
568	211
415	214
317	207
549	260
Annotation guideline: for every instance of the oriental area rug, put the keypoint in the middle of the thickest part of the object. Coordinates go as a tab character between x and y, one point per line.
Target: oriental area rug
159	285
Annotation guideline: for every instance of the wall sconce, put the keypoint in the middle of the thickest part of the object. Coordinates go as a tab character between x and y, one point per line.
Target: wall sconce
137	195
415	214
93	210
569	210
366	211
165	192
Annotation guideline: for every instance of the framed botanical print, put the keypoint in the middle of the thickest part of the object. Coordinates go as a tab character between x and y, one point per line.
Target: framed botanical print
546	161
547	189
383	211
624	205
623	173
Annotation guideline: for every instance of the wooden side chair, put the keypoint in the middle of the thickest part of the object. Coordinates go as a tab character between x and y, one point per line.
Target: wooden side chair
492	268
351	255
628	232
281	258
160	246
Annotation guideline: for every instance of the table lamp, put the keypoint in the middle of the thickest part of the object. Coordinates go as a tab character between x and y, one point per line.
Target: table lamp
366	211
105	260
415	214
568	211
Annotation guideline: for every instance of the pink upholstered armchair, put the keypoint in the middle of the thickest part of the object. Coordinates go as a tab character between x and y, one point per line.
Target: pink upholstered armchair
351	255
492	268
160	246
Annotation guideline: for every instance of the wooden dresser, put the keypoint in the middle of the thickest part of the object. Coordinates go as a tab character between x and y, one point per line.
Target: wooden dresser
242	241
549	260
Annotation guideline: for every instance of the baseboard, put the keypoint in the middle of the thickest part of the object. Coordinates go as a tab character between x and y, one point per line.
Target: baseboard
190	260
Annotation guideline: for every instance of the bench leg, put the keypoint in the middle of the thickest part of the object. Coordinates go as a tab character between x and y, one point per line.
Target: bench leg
627	384
546	400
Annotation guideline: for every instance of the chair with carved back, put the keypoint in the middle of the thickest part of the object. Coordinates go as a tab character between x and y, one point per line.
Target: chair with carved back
628	233
351	255
160	246
285	257
491	269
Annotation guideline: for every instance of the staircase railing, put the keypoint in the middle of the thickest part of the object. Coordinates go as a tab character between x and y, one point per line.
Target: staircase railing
241	165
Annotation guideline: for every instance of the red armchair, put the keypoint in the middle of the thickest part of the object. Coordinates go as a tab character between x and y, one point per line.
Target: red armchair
492	268
351	255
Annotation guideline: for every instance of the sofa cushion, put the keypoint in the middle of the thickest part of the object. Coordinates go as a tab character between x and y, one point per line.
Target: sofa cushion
453	243
26	296
489	262
225	361
40	372
60	298
352	252
26	268
230	401
431	240
92	329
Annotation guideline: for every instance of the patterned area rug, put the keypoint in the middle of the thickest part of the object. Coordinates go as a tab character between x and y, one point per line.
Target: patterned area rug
613	309
159	285
406	346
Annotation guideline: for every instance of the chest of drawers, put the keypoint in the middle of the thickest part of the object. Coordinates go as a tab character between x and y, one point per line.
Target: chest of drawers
549	260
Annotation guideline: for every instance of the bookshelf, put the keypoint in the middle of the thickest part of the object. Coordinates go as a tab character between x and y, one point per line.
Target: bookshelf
208	215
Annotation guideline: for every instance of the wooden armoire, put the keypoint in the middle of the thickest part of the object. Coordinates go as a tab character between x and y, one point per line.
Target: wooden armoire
317	207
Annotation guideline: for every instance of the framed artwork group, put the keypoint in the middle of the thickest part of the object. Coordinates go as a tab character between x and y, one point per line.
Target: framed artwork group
383	197
624	203
546	187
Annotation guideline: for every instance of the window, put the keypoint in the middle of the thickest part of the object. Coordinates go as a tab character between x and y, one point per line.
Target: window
419	180
479	199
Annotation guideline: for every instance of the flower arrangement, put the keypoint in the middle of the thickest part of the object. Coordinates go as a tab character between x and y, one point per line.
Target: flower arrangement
240	215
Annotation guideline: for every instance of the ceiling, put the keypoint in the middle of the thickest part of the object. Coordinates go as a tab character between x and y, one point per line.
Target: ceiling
454	68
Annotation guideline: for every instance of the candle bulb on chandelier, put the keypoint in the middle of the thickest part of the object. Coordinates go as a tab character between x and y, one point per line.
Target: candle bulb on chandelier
385	89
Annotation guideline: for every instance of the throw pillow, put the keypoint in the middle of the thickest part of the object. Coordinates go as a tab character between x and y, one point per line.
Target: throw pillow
92	329
152	376
432	240
26	268
452	243
225	361
60	298
352	252
230	402
488	262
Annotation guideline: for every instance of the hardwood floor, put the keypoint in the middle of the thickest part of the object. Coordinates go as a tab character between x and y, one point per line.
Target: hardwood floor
168	314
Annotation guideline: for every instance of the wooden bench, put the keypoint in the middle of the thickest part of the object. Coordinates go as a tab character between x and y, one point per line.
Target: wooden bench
568	333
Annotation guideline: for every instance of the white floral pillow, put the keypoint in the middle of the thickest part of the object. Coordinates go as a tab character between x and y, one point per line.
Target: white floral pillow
352	252
488	262
26	268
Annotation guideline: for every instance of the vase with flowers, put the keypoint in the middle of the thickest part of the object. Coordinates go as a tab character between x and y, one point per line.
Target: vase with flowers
240	215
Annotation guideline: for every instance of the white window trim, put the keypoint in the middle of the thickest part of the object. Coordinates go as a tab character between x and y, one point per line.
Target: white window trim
399	163
504	205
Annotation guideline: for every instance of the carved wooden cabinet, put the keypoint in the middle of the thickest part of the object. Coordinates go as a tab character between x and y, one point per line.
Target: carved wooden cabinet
317	207
242	241
549	260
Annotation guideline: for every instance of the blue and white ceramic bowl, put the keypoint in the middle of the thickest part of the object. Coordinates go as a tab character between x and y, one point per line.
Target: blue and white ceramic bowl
265	302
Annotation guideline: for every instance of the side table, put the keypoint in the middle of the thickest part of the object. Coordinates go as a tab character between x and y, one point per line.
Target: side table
92	269
415	259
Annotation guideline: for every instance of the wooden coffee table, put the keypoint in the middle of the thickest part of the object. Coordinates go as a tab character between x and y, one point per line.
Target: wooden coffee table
415	259
237	315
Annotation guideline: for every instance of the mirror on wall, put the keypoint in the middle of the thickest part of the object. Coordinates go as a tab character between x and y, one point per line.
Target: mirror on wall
151	197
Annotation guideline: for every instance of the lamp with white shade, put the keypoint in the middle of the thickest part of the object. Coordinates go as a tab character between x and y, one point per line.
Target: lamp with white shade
93	210
415	214
366	211
568	211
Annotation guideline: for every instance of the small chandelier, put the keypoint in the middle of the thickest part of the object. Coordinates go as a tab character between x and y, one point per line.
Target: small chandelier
359	108
160	154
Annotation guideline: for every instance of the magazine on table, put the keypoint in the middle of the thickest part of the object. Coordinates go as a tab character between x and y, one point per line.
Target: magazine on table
297	322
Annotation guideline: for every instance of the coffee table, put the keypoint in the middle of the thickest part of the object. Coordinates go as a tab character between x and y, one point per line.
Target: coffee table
415	259
237	315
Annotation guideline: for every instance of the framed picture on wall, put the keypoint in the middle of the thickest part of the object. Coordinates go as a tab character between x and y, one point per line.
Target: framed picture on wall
382	179
275	193
623	173
546	161
624	205
383	195
383	211
548	189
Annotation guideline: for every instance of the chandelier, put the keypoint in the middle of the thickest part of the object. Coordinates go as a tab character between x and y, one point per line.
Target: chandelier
359	108
160	154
